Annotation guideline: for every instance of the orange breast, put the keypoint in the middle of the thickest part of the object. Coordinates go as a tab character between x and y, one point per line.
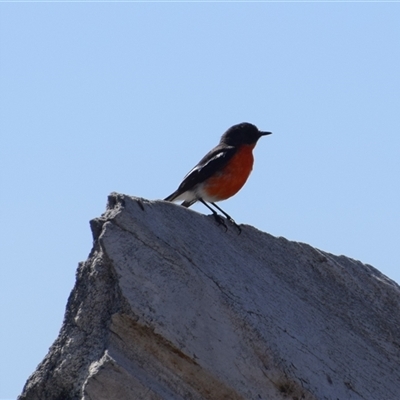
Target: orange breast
231	179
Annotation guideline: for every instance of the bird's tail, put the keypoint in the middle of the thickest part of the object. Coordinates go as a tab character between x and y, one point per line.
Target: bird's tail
188	203
172	196
175	196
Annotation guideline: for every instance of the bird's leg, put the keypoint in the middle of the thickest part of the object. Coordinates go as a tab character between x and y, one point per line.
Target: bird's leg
223	212
228	217
217	217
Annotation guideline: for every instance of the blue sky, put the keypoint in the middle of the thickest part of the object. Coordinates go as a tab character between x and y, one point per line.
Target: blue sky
127	97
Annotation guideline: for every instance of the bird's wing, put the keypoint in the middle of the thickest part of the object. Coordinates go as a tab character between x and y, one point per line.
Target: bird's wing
213	161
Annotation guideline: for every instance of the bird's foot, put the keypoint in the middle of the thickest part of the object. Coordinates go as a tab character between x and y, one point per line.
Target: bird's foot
232	221
220	220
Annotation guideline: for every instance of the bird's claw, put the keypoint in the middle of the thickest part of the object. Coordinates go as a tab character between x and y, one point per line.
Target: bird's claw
221	221
237	226
232	221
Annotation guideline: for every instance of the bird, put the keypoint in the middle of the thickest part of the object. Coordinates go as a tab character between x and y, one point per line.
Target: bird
222	172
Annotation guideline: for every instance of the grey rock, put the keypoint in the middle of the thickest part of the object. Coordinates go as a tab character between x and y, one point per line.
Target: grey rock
170	305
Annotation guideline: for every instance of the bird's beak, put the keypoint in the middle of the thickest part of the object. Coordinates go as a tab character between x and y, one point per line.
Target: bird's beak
265	133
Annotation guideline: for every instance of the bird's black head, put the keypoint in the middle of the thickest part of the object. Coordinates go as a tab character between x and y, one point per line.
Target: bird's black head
243	133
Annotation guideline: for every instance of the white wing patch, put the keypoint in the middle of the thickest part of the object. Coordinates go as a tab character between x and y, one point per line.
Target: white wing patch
218	155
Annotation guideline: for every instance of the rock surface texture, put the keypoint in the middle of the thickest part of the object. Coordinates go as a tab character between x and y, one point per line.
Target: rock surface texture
170	305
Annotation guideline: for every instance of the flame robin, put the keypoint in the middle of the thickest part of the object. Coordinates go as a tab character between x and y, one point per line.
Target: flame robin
222	172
